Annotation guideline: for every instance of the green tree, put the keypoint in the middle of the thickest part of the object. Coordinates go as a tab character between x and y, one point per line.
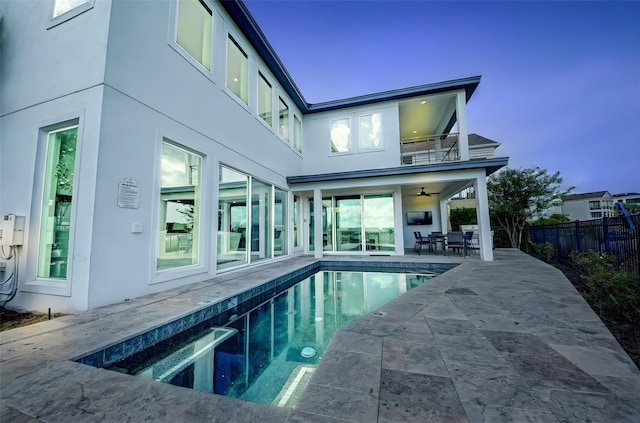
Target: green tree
517	194
462	216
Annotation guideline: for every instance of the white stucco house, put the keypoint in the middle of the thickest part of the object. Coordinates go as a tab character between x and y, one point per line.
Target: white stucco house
146	145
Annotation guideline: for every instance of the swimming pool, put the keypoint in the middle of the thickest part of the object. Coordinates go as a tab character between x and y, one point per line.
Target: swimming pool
265	349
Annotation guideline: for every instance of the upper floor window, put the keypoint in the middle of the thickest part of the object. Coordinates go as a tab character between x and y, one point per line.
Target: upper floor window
284	119
594	205
297	134
237	70
55	225
265	104
370	134
194	30
63	6
340	135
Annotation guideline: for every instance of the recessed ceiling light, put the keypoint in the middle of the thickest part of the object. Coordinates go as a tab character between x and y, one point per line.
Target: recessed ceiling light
423	102
235	79
415	132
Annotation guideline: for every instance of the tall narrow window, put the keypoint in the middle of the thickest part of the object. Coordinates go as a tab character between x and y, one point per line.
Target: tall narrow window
261	205
280	233
370	133
194	30
232	218
265	104
179	208
340	135
55	225
284	119
237	70
297	134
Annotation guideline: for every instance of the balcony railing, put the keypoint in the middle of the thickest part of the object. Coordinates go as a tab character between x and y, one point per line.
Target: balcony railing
431	149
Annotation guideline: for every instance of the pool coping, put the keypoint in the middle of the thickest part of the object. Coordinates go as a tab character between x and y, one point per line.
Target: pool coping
421	346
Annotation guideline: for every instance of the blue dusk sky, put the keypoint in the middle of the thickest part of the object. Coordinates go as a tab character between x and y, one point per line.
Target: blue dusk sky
560	84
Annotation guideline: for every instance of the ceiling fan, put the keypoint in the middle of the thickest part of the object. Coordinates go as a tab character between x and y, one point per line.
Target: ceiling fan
423	193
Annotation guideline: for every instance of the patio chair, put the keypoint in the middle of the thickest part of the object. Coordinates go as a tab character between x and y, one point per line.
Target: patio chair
422	240
456	242
468	239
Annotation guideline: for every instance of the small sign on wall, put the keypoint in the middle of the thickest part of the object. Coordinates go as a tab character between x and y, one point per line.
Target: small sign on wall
128	194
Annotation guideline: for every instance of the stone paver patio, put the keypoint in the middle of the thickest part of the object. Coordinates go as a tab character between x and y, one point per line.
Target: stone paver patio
505	341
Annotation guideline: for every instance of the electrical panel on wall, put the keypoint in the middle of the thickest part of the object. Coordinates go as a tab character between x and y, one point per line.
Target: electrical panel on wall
12	230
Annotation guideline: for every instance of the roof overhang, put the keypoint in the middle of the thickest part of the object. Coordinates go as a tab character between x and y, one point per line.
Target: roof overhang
489	165
242	17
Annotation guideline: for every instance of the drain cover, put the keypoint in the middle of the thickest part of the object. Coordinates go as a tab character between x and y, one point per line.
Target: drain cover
308	352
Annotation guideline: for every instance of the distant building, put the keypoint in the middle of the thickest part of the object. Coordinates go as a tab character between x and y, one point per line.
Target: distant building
627	198
587	206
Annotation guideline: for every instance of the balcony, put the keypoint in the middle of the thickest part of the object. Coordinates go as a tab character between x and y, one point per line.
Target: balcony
432	149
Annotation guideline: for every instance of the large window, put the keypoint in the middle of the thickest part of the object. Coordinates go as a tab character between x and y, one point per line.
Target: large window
266	236
265	105
55	225
297	134
362	223
370	134
179	208
283	124
237	70
340	135
194	30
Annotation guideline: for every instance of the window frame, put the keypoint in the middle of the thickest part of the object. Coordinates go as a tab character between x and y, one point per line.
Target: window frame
51	286
381	143
297	143
261	75
69	14
172	39
243	50
282	136
163	275
350	140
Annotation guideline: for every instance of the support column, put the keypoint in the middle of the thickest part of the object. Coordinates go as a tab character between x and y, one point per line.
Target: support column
398	233
461	114
484	223
444	216
317	223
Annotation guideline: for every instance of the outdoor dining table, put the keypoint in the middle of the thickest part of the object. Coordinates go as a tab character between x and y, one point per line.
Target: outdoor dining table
439	238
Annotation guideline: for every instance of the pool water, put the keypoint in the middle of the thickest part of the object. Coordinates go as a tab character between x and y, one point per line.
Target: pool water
267	352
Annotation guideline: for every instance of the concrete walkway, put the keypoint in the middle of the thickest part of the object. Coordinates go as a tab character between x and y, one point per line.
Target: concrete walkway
505	341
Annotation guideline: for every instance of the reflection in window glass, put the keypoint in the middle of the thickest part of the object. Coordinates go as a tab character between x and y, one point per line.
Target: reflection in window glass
232	218
378	222
264	99
260	220
340	136
237	69
63	6
370	133
284	119
348	223
280	232
194	30
179	208
297	134
55	225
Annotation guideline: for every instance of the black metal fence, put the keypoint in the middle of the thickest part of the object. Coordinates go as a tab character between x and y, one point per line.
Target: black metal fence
606	235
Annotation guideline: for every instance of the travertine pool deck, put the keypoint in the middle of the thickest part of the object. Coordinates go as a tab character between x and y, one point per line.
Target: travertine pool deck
505	341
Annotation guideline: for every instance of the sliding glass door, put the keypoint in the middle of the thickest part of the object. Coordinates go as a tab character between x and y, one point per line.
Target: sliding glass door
362	223
232	218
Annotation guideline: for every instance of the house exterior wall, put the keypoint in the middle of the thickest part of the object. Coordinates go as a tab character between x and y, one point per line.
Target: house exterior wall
129	86
317	141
